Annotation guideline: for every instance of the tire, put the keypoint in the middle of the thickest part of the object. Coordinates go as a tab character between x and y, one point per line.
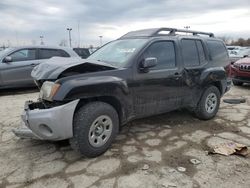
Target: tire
209	103
95	126
237	83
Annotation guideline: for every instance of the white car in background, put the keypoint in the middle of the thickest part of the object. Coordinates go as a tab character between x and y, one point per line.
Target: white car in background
233	50
241	53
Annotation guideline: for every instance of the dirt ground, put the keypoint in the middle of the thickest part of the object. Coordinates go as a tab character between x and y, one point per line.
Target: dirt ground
152	152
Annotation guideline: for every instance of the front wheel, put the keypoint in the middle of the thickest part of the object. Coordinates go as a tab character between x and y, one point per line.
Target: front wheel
94	128
209	103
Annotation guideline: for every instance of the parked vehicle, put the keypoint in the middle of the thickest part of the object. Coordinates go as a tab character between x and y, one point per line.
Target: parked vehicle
143	73
241	53
237	52
17	63
2	48
240	71
82	52
232	49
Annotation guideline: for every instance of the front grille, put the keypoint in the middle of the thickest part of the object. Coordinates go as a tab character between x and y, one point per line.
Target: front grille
245	67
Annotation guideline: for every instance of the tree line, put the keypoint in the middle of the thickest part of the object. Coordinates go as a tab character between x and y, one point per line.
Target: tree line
241	42
238	42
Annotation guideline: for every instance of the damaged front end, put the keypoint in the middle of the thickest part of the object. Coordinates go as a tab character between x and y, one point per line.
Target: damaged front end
48	119
40	119
58	67
41	122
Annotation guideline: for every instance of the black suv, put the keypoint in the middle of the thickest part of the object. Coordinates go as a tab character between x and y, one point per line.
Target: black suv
143	73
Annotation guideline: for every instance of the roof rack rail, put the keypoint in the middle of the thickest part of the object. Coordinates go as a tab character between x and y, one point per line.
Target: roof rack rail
156	32
172	31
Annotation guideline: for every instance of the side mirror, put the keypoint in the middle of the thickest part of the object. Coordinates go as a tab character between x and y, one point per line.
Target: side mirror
7	59
148	63
245	56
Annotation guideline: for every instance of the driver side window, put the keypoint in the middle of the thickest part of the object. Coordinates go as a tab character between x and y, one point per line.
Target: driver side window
23	55
164	51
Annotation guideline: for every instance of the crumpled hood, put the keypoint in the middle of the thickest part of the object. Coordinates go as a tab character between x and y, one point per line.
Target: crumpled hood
53	67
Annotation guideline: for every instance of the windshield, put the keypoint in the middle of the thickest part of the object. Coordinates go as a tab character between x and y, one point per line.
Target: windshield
118	52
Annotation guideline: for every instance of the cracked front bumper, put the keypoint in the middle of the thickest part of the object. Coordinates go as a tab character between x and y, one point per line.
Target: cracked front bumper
47	124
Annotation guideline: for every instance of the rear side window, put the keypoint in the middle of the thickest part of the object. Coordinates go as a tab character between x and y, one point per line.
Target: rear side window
217	50
64	54
192	52
48	53
164	51
82	52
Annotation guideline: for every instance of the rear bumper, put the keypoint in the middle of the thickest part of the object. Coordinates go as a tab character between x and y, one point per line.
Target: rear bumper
241	79
47	124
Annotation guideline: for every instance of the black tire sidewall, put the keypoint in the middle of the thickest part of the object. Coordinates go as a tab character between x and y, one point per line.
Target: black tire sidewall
83	119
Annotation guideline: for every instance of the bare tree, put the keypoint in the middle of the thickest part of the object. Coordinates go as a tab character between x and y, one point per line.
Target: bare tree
241	42
33	42
226	39
9	43
63	42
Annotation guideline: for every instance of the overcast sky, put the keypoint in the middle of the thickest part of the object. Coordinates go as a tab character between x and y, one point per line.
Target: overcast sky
23	21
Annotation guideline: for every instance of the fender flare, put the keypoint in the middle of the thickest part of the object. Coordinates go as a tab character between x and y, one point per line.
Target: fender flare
90	87
211	75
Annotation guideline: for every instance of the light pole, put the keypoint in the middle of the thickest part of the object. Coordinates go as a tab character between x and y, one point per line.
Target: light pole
79	36
69	29
41	43
187	27
100	40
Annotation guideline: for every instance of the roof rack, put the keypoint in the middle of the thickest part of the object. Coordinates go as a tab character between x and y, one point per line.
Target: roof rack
156	32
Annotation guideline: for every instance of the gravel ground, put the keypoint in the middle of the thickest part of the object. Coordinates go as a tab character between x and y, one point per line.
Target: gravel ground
169	150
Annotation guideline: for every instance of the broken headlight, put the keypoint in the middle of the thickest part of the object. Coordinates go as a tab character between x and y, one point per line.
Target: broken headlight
48	90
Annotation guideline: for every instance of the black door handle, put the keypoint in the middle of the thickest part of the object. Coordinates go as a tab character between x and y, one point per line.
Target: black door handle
33	64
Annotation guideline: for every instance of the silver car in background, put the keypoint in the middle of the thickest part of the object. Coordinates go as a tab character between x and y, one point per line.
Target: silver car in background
17	63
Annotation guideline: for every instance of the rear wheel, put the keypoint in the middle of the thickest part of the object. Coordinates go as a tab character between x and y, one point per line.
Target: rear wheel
95	127
209	103
237	83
